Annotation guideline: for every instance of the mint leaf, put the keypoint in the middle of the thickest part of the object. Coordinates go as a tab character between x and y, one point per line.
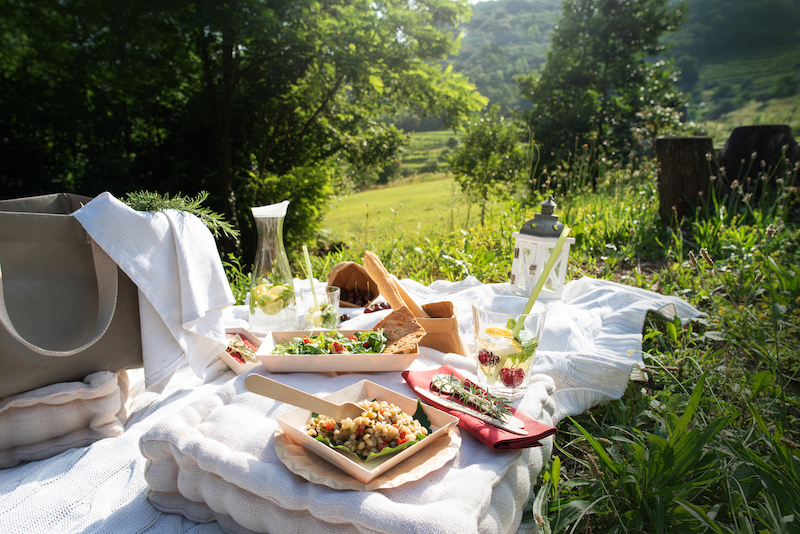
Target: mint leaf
529	343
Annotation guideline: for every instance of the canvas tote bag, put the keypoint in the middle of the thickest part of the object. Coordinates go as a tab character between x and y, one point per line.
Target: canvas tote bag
66	309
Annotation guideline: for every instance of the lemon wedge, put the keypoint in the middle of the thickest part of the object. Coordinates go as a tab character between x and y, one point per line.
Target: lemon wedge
497	331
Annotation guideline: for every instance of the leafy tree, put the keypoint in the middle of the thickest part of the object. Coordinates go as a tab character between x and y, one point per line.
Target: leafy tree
489	159
191	95
598	75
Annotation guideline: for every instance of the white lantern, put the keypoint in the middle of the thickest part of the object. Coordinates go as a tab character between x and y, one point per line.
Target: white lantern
533	245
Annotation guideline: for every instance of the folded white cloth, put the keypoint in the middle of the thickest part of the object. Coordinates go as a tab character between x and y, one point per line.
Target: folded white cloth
172	258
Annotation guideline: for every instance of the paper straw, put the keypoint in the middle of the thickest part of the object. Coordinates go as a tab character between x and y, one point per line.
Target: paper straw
310	276
542	278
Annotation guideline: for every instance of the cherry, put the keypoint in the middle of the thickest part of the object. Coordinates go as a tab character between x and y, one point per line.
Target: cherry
378	306
487	359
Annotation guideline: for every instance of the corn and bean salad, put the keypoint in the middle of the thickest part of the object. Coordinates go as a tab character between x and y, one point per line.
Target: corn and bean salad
381	425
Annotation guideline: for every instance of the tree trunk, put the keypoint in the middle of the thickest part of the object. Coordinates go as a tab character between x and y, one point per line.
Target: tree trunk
749	146
683	173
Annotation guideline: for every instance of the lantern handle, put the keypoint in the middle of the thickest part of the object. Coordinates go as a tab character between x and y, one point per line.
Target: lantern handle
543	277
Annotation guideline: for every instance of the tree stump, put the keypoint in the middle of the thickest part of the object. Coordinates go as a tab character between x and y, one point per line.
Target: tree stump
683	173
748	146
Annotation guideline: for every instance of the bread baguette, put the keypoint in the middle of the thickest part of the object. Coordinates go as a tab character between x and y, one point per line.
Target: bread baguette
387	286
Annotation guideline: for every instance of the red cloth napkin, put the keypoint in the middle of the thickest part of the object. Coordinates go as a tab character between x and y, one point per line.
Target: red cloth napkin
489	435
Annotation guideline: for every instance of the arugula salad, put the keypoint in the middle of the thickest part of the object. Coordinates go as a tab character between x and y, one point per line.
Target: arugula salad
333	342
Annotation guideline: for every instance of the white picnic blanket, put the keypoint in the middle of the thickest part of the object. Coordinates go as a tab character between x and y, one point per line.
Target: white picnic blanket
101	488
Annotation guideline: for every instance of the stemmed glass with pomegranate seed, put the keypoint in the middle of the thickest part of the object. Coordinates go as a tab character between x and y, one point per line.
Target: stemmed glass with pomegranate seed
503	359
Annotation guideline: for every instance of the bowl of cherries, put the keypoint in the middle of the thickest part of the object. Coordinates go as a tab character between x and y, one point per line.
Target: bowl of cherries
357	289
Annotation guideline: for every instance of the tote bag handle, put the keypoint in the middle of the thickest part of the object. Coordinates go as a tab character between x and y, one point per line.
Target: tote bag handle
106	271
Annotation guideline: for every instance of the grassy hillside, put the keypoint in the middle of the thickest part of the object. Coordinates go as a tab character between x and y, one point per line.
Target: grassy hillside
410	208
749	89
428	151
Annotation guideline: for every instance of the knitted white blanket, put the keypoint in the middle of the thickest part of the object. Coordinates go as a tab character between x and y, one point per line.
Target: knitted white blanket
592	341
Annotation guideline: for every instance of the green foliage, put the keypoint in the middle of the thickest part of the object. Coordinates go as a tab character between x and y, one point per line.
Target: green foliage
503	39
598	77
729	28
489	160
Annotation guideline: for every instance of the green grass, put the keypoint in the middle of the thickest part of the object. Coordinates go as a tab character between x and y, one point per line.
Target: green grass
427	149
411	208
762	67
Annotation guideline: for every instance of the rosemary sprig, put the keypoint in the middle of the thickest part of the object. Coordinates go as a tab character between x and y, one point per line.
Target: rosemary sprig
472	395
147	201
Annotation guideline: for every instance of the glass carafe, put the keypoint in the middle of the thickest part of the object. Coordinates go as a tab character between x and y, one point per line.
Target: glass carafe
272	305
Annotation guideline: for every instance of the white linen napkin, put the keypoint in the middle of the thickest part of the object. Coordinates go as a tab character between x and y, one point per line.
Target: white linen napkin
172	258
